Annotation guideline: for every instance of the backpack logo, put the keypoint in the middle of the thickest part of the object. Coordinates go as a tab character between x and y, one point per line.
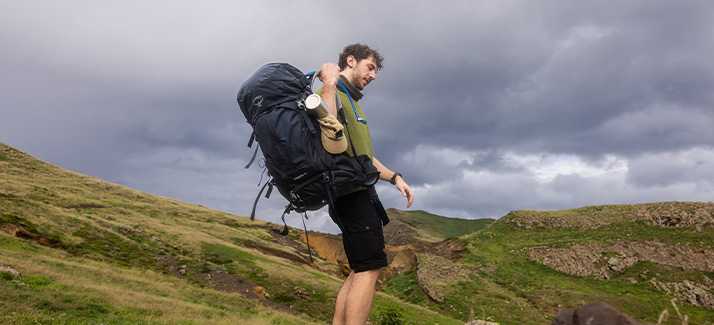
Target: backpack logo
258	100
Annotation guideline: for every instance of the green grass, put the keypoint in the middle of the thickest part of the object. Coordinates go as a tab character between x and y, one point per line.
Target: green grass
531	285
406	287
103	242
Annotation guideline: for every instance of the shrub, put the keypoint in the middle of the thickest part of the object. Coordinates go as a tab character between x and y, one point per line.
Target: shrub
390	315
6	276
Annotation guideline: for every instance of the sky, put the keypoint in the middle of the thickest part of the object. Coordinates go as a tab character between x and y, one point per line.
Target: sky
484	106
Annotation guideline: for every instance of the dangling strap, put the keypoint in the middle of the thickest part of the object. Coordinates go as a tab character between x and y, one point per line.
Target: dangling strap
255	153
285	228
306	119
270	190
255	204
307	239
373	197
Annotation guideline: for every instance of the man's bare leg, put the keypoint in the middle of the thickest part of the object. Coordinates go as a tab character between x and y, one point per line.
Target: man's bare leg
354	301
339	317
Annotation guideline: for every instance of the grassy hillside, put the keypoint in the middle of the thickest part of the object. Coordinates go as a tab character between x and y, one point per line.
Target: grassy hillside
78	249
528	264
75	249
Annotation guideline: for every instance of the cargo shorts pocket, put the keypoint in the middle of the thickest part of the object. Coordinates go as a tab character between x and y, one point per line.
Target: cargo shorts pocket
367	238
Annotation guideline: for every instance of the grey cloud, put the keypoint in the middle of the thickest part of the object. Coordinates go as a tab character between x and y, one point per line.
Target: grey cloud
672	168
143	94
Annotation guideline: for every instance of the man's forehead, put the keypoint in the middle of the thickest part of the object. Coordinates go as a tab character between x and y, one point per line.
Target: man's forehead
368	60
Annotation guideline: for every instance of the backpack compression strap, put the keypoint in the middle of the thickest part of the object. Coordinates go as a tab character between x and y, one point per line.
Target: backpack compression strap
255	153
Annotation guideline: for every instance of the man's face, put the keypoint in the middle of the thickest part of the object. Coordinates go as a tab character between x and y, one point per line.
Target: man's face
364	72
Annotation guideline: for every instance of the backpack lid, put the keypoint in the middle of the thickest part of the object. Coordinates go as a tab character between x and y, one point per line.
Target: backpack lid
271	85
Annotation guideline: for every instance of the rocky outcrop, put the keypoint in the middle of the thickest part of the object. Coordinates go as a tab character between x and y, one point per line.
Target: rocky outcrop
14	275
692	292
595	260
328	247
699	215
678	214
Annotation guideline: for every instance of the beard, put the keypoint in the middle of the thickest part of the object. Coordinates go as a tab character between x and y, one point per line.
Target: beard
357	82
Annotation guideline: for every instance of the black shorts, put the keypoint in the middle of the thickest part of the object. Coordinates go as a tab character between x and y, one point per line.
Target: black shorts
362	222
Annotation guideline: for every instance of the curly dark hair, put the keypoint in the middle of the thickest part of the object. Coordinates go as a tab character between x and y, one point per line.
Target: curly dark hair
359	52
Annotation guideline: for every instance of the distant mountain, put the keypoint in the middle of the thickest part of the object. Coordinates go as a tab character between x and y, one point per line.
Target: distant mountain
408	227
76	249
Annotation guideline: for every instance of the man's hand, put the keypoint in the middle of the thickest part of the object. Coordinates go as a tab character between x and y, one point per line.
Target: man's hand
329	74
386	175
406	190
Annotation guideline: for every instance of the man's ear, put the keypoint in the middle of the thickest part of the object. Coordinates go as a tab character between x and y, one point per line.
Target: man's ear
351	62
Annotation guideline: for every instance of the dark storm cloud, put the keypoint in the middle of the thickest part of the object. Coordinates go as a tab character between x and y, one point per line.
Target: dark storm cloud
485	107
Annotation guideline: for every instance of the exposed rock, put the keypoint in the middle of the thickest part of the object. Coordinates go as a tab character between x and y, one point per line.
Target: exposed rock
10	269
260	291
620	263
678	214
20	231
699	215
578	260
598	313
300	293
15	274
328	247
692	292
585	260
401	259
479	322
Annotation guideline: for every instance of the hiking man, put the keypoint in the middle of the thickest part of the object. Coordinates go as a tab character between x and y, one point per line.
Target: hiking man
362	218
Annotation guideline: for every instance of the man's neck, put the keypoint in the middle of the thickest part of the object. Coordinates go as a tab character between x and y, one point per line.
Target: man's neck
353	91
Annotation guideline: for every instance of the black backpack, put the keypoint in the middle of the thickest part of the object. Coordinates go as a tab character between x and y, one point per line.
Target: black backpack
309	177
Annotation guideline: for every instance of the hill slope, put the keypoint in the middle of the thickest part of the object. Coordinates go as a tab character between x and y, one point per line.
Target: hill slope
407	227
528	264
77	249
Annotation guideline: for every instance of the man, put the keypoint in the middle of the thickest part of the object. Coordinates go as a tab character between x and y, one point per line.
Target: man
362	219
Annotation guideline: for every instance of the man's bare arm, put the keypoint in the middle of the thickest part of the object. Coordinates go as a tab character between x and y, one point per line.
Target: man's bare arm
386	174
330	75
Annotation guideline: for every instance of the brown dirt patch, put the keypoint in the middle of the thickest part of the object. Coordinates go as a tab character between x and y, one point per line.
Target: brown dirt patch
223	281
24	233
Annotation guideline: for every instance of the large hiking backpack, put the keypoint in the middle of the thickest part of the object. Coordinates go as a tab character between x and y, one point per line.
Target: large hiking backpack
273	102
